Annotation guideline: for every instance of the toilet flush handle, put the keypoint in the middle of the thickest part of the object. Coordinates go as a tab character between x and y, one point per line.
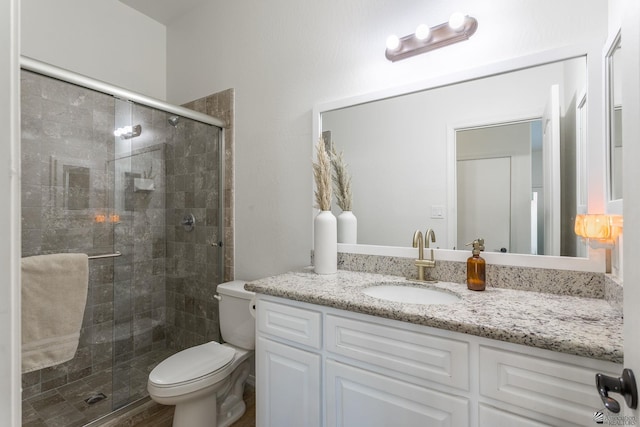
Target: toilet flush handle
218	297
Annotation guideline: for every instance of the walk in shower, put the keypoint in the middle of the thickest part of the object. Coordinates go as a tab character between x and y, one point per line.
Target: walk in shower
136	184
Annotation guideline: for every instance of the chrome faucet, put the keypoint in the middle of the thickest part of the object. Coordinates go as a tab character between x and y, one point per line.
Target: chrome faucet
420	243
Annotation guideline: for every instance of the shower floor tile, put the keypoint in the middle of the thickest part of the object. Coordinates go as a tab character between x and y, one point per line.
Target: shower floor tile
65	406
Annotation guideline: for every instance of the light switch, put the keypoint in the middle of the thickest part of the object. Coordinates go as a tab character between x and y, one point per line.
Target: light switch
437	212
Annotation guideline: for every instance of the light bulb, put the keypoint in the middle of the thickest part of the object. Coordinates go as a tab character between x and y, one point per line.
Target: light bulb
456	21
393	42
125	130
423	32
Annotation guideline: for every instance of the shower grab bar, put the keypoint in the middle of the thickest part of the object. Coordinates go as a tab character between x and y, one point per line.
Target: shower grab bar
113	255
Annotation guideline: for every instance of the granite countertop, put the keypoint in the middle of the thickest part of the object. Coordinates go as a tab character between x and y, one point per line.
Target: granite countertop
582	326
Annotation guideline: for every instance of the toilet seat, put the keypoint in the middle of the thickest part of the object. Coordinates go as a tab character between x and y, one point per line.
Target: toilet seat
202	363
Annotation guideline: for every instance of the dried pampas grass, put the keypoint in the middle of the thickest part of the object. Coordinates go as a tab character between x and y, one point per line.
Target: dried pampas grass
322	176
341	181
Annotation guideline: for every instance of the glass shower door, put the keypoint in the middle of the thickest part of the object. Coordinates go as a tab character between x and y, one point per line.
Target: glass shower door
167	172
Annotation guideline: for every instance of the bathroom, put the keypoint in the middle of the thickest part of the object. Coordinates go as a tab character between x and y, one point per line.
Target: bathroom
283	60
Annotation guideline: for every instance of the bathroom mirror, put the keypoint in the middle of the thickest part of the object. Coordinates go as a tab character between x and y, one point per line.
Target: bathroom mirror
613	91
401	151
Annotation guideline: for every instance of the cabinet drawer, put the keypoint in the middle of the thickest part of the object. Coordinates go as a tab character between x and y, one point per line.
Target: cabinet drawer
356	397
415	354
494	417
294	324
557	389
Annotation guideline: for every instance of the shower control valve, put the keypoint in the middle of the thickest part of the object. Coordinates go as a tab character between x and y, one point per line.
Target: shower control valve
188	222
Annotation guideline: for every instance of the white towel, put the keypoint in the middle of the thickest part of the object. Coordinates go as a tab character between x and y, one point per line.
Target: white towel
54	296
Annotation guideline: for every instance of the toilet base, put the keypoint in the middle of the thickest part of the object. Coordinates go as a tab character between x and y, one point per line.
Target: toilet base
225	406
196	412
233	406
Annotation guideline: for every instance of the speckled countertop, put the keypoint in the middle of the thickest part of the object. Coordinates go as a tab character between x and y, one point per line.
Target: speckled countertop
582	326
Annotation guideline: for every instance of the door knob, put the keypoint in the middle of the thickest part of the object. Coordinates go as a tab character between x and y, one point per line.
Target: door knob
624	385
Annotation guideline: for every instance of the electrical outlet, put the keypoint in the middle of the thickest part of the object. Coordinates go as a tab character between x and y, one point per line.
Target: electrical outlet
437	212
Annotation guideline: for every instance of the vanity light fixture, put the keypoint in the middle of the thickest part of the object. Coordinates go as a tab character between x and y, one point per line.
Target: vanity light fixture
599	229
459	28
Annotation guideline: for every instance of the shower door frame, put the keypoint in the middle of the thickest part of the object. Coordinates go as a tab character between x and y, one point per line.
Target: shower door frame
63	75
30	64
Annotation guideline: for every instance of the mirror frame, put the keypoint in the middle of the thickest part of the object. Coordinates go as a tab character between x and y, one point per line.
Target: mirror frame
614	206
596	258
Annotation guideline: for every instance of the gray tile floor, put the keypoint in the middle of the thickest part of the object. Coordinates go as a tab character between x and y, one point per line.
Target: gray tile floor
66	407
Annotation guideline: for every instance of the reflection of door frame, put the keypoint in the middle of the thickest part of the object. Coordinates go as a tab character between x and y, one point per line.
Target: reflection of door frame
551	172
495	224
452	185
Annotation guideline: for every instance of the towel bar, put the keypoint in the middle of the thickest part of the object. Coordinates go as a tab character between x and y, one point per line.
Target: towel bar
113	255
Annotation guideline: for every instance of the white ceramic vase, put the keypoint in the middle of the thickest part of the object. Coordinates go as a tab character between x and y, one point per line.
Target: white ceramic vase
325	243
347	228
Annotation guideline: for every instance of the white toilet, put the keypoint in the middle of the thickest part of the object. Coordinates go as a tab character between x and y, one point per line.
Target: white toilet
206	382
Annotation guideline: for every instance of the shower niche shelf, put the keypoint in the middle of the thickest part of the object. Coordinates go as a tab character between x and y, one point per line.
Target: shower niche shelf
143	184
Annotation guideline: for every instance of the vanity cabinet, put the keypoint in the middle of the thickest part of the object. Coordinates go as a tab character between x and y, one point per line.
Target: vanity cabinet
319	366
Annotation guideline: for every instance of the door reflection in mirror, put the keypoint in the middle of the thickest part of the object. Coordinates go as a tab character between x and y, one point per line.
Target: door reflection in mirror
614	119
497	170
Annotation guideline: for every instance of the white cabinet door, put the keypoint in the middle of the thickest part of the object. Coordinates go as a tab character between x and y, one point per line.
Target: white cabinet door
356	397
288	389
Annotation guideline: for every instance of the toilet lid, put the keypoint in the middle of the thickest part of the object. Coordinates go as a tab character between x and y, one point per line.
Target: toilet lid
191	364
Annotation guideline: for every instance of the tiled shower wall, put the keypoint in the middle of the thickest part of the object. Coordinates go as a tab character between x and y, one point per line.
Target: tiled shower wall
194	259
192	312
222	106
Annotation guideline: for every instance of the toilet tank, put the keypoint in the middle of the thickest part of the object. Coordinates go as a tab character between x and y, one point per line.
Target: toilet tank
237	324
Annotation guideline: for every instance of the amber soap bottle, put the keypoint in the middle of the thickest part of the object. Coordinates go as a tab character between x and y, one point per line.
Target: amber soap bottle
476	267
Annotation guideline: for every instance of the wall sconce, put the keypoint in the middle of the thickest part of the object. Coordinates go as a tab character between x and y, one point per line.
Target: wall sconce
600	230
459	28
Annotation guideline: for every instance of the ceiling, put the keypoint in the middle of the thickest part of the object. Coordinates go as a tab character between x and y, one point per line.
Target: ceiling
163	11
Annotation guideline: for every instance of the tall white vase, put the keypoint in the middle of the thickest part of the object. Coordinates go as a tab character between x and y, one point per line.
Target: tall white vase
325	243
347	228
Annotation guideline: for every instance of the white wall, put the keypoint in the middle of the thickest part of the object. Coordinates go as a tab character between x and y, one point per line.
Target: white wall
105	40
283	57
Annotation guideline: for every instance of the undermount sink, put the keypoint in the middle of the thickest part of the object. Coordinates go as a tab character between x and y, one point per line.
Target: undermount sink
411	294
